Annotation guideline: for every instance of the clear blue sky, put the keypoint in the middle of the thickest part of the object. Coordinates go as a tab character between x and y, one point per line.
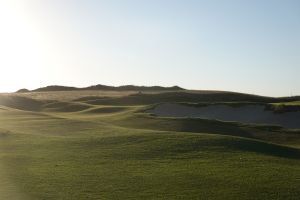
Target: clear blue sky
248	46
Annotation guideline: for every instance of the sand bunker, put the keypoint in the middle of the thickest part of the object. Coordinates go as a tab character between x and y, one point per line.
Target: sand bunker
245	114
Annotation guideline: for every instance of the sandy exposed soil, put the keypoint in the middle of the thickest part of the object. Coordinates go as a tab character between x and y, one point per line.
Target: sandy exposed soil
245	114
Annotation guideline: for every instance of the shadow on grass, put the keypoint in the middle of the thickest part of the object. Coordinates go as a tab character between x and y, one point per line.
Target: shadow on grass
263	148
175	146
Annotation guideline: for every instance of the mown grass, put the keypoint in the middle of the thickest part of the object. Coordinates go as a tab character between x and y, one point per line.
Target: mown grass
117	152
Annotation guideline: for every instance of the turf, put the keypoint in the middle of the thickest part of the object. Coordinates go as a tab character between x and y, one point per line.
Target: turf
120	152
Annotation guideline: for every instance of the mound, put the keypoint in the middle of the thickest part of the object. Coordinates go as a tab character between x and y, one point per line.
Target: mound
106	110
24	90
22	103
65	107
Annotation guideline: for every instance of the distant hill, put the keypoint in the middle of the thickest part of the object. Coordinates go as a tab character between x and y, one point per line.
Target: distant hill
133	88
23	90
55	88
104	87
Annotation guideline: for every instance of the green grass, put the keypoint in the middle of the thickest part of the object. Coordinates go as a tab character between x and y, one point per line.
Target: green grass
292	103
119	152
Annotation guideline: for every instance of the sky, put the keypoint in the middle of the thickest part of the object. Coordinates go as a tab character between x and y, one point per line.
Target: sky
233	45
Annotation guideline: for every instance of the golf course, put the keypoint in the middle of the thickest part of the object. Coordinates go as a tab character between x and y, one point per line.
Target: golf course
149	100
124	144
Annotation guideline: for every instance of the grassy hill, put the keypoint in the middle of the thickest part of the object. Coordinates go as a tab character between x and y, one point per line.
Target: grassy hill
107	147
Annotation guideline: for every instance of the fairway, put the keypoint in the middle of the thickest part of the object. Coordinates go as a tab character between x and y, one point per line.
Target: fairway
87	150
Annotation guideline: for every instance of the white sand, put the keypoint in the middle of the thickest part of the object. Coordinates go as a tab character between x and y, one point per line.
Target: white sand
246	114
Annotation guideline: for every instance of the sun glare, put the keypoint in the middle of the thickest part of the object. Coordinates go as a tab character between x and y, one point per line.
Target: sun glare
20	45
